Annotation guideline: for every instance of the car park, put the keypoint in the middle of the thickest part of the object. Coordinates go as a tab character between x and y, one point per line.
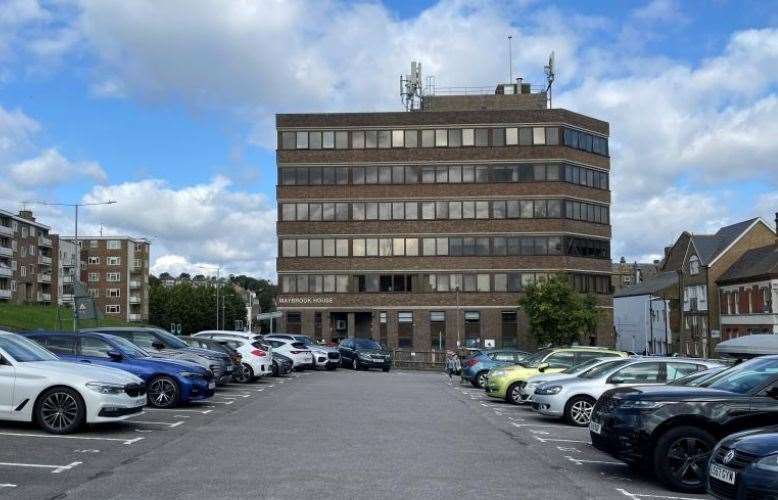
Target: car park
528	390
324	356
672	430
256	357
36	386
169	383
745	465
364	354
161	343
574	398
301	357
475	368
506	383
221	345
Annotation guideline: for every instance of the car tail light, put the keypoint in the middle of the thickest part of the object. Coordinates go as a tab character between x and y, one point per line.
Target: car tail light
470	362
258	352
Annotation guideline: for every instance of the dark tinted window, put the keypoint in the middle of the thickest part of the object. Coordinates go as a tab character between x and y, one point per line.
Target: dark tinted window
58	344
92	346
366	344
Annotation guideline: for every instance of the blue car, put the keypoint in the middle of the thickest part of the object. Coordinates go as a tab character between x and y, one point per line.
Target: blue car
745	465
168	382
476	367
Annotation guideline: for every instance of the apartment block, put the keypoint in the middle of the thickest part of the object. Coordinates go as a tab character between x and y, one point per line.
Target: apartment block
66	271
115	271
421	229
28	260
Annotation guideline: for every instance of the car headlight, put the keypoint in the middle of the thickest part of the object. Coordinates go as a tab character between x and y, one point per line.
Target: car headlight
769	463
548	390
190	374
106	387
640	404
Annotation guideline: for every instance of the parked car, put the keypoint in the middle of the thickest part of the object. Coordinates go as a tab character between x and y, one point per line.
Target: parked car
301	357
476	367
282	365
672	430
36	386
574	398
506	383
163	344
528	390
221	345
323	356
745	465
235	333
257	358
364	354
169	382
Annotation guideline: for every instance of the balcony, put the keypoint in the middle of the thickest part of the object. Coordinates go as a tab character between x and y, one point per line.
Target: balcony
134	299
44	241
6	272
5	294
134	317
66	279
135	284
6	230
67	298
44	278
6	251
44	297
43	260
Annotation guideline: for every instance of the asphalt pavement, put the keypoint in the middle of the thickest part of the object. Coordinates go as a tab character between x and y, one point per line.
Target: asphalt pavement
324	435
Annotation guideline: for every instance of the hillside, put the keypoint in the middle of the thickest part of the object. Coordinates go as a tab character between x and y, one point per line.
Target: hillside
15	317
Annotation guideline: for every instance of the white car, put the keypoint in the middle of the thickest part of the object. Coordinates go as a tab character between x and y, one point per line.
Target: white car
574	398
301	356
324	357
528	390
36	386
256	358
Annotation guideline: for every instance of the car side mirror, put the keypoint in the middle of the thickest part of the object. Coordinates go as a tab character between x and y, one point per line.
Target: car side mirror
157	345
115	355
543	367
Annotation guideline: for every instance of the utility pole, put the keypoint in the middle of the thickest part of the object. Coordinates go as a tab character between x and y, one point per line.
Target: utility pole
459	344
218	270
78	247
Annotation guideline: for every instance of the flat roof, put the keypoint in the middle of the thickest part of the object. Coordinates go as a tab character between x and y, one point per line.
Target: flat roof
22	219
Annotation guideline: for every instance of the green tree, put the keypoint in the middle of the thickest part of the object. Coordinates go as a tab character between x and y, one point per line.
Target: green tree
194	307
557	314
265	290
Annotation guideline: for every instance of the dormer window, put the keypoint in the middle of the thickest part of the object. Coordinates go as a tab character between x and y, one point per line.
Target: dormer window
694	265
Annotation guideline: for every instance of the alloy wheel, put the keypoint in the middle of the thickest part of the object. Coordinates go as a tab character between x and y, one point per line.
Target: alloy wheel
688	458
59	410
162	392
581	412
516	394
482	380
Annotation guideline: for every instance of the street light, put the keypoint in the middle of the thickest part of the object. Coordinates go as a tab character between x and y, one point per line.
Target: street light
218	277
78	247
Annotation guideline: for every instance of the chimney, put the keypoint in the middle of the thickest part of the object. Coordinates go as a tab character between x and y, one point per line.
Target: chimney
27	214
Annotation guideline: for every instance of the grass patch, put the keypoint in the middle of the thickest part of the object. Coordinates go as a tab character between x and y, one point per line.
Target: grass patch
17	318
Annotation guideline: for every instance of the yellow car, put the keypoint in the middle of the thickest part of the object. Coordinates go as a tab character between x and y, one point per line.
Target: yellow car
506	382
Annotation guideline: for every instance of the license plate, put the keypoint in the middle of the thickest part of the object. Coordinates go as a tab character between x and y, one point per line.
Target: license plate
595	427
212	385
722	473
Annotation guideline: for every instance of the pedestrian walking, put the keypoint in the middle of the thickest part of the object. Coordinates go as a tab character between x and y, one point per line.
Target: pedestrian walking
452	362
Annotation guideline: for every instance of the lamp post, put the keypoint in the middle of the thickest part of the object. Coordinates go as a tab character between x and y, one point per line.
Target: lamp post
75	206
218	270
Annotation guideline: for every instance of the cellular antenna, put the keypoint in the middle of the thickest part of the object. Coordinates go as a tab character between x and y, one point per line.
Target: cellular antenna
510	58
550	71
411	88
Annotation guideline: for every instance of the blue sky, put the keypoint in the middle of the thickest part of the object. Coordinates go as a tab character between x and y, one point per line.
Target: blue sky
168	107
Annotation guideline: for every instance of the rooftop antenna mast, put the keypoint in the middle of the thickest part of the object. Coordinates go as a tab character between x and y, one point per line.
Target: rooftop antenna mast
550	71
510	58
411	88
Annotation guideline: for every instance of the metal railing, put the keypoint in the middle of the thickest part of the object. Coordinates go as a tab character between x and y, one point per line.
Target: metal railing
419	360
435	90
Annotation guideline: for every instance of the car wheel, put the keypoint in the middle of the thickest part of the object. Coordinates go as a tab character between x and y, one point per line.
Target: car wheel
578	411
386	368
275	370
60	410
681	458
332	367
162	392
513	394
480	380
248	372
240	377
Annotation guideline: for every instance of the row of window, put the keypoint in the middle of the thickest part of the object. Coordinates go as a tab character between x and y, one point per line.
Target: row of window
435	282
466	246
110	277
442	174
27	231
443	210
111	293
753	300
444	138
111	261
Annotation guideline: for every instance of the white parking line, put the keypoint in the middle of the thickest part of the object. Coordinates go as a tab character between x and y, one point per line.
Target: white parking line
148	422
637	496
84	438
555	440
222	402
56	469
534	425
179	410
7	485
577	461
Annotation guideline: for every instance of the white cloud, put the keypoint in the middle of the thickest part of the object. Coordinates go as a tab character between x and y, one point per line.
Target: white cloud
16	131
203	224
50	168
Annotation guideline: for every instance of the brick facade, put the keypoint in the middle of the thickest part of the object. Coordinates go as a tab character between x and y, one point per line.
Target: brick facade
28	260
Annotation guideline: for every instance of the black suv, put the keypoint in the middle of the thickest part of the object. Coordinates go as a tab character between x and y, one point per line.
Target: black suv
364	354
671	430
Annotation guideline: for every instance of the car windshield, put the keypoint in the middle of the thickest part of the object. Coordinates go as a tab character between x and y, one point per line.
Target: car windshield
534	360
129	348
171	340
581	367
305	340
24	350
366	344
603	368
746	377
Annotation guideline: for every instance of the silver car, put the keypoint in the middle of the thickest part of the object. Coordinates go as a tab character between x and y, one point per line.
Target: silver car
323	356
528	390
573	398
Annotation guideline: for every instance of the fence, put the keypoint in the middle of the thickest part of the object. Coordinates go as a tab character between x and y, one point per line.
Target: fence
419	360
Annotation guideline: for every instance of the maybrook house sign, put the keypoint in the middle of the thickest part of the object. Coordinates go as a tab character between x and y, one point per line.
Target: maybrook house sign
304	300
